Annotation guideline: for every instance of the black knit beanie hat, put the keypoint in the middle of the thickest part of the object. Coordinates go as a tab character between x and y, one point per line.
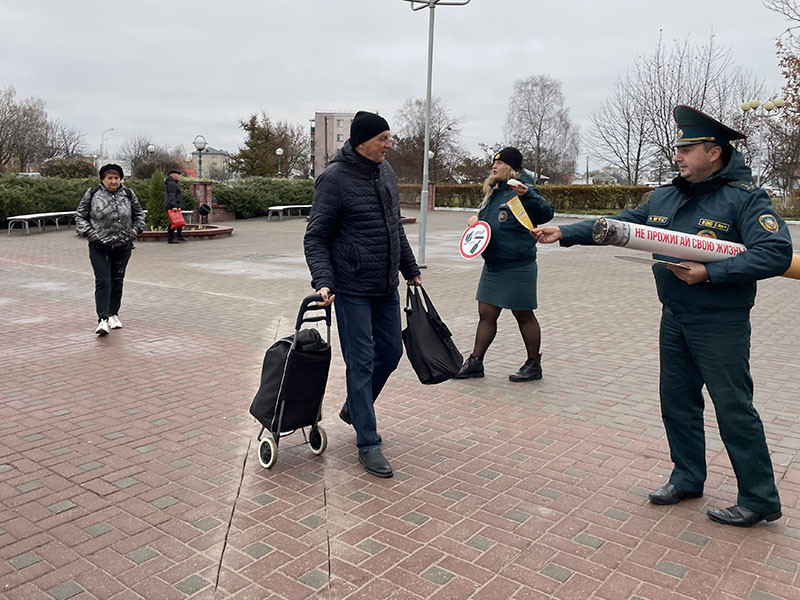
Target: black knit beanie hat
365	126
511	156
111	167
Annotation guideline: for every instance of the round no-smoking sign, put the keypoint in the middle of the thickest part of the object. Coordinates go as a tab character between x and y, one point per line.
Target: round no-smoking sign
475	239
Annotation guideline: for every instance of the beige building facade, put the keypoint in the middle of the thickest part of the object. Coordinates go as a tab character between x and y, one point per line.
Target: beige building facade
216	163
328	135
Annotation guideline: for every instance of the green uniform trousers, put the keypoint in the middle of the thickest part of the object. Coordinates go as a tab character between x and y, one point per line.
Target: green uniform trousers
713	348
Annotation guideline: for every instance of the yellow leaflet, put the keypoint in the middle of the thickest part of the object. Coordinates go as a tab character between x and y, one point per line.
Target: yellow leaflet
515	204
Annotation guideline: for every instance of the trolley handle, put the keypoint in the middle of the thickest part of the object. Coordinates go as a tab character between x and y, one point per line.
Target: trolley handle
309	304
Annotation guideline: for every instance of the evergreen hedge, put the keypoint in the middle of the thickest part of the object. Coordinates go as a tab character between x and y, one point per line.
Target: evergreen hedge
24	195
252	197
157	218
565	198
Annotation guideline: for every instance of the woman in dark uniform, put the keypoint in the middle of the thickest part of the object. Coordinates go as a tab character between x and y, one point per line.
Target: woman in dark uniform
509	272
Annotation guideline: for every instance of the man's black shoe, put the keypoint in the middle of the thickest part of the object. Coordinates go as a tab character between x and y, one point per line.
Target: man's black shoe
670	494
344	415
739	516
532	369
181	239
472	367
173	242
374	462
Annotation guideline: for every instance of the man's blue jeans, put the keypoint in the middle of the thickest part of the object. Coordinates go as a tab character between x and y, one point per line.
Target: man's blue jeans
369	332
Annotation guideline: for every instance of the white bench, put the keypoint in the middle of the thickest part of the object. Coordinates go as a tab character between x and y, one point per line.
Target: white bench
287	210
40	219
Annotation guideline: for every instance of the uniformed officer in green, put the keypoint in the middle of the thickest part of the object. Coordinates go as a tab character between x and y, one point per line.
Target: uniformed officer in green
705	319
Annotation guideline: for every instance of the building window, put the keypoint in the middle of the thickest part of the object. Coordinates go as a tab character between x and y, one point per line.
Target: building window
340	122
339	137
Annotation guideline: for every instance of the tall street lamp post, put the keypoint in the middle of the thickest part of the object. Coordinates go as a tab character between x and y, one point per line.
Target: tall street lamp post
200	145
423	203
751	108
279	152
102	143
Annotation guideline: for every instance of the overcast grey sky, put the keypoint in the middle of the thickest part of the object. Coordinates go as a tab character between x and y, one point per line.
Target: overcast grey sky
174	69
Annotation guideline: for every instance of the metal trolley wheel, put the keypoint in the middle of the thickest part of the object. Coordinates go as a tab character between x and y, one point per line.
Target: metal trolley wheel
317	439
267	451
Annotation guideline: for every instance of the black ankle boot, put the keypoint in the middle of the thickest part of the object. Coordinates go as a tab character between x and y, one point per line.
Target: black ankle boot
532	369
472	367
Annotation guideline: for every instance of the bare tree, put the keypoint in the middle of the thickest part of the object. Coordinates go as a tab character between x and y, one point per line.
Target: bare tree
702	76
409	140
789	9
134	149
64	140
784	148
7	111
634	129
29	132
538	124
621	131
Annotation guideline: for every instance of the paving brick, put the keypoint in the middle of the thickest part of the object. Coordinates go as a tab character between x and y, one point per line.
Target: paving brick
501	490
65	590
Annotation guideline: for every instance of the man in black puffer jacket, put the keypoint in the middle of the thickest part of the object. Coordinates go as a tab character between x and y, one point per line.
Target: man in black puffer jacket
355	245
173	198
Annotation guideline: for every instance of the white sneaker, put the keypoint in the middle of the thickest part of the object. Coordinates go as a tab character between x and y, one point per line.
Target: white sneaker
114	322
102	328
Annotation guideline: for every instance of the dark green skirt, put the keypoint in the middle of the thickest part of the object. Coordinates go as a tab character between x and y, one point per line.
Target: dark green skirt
513	288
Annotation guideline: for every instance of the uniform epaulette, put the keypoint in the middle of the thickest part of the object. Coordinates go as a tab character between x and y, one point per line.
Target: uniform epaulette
743	185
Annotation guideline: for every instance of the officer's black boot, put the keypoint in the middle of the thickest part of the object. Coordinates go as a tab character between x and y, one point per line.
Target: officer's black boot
472	367
532	369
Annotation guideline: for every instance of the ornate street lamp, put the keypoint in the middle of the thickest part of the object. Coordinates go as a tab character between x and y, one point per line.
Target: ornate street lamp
752	109
279	152
200	145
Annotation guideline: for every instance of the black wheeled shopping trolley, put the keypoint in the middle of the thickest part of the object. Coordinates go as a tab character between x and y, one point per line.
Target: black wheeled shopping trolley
293	379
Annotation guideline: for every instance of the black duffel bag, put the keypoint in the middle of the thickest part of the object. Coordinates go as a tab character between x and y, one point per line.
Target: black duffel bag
429	343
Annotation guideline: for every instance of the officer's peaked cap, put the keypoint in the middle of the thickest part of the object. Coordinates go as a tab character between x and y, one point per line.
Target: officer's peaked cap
695	127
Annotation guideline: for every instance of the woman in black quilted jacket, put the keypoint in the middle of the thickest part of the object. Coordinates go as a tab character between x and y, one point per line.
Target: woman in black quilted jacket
111	216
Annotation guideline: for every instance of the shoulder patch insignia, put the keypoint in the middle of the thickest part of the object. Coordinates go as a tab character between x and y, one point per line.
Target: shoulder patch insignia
658	219
743	185
769	222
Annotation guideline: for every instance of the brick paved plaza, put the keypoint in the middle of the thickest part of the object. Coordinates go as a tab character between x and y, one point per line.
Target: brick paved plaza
128	464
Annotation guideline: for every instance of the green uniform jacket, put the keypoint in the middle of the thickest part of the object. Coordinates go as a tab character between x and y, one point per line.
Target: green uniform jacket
511	243
725	206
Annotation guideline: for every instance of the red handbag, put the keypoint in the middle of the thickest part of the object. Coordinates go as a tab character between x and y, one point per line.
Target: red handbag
176	218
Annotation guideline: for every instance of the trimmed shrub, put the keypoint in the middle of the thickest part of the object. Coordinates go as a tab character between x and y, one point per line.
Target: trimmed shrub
252	197
463	195
157	218
23	195
564	198
67	168
606	199
790	208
